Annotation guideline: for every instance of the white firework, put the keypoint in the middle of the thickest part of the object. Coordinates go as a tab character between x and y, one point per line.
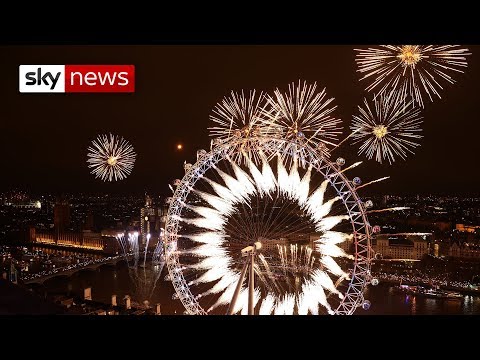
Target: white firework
411	69
212	244
237	115
111	157
303	114
388	128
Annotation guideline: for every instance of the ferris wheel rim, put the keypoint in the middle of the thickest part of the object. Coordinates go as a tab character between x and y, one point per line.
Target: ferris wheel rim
353	297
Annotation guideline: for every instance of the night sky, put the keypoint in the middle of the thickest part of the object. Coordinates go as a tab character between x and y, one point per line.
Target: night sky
44	137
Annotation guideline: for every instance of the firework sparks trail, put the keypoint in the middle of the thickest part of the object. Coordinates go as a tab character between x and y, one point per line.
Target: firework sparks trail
304	187
268	270
206	250
334	237
230	278
210	263
313	290
214	223
398	208
238	189
416	70
326	224
302	304
372	182
316	199
294	180
222	206
208	237
223	192
282	257
286	305
146	249
268	175
283	177
347	168
214	273
111	157
122	241
226	296
322	278
388	128
311	296
321	211
262	185
267	306
297	260
411	234
332	266
133	242
258	271
332	250
158	253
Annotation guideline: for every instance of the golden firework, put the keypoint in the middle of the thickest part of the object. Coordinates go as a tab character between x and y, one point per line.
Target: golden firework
380	131
416	70
112	160
410	55
387	128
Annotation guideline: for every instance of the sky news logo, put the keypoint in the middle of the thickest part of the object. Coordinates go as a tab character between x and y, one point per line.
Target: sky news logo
76	78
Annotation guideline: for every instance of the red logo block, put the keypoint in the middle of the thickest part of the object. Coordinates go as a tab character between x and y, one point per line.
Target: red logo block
99	78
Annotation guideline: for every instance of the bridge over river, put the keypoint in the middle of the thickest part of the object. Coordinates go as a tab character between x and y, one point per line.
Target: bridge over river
68	272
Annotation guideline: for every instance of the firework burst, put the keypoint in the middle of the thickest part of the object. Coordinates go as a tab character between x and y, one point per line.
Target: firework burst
387	129
237	115
303	114
411	69
111	157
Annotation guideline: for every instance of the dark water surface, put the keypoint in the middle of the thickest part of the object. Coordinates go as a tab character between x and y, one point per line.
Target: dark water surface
120	280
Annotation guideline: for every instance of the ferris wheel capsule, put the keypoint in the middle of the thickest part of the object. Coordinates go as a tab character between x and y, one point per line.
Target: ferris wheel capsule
376	229
366	305
201	153
368	203
357	181
216	141
169	200
187	166
177	182
374	282
340	161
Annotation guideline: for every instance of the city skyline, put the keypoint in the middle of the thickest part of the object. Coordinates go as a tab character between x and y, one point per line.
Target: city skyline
45	137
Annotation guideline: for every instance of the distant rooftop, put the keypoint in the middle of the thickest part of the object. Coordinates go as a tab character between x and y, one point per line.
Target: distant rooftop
16	300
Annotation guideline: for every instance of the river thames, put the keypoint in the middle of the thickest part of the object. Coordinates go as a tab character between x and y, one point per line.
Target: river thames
108	280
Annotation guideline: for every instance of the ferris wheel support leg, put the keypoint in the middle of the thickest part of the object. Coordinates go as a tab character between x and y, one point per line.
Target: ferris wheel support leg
237	289
251	284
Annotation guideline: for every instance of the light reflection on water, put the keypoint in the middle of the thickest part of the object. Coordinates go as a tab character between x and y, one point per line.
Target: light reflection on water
385	301
108	280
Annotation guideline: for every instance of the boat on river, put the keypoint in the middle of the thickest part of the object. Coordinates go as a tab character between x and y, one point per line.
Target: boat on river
434	293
